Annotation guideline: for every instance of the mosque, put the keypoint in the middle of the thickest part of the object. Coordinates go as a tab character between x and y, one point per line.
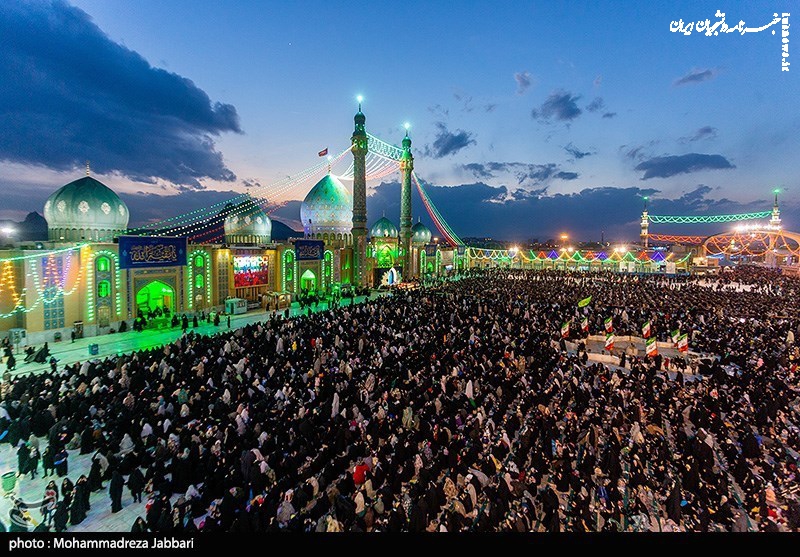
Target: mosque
94	272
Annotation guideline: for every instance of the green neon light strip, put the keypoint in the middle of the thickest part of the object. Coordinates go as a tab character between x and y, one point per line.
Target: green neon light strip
703	219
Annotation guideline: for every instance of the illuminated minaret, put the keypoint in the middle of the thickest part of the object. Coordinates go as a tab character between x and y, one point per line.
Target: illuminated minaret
645	225
359	142
406	167
776	212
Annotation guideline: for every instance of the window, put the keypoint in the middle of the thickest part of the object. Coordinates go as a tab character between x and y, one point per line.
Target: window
199	261
199	281
103	264
103	289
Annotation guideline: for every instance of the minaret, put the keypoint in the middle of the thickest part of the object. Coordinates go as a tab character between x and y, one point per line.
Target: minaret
406	167
359	142
645	225
776	212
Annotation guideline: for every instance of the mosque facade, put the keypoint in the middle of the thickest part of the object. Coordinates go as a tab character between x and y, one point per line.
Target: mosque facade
94	272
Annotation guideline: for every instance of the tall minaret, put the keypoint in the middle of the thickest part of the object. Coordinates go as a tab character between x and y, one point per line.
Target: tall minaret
645	224
776	212
406	167
359	142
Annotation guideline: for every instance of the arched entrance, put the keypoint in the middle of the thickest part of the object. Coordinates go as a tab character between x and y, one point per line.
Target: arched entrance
154	295
308	281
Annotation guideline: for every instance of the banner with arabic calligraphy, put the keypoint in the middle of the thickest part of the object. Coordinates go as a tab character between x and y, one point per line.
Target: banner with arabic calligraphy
140	252
309	249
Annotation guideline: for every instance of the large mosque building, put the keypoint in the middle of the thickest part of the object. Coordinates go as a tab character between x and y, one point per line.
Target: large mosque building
94	272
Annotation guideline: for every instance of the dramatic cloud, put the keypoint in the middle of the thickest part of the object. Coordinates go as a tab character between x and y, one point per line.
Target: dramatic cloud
597	104
524	81
518	214
77	95
706	132
672	165
576	153
449	143
251	183
560	105
525	173
609	114
696	76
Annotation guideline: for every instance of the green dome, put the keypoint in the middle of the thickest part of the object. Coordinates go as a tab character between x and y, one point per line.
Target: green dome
247	223
420	234
85	209
327	208
383	228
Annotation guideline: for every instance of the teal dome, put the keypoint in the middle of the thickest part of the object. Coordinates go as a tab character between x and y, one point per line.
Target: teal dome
383	228
328	208
247	223
420	234
85	209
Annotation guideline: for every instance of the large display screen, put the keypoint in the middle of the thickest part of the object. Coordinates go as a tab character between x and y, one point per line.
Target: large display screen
250	270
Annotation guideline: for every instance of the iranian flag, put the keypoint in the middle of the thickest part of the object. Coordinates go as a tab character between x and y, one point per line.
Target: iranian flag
609	324
675	336
585	324
683	343
651	347
323	152
610	342
646	330
565	329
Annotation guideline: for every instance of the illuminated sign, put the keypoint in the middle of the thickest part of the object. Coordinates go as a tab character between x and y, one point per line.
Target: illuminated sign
139	252
309	249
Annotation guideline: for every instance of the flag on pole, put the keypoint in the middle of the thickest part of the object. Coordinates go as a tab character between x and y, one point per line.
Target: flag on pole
675	335
646	330
585	302
651	347
585	324
565	329
610	342
323	152
683	343
609	324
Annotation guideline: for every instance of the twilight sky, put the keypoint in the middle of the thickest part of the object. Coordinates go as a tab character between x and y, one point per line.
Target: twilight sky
528	118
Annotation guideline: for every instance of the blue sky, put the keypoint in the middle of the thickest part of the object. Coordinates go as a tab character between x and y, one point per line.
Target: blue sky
542	106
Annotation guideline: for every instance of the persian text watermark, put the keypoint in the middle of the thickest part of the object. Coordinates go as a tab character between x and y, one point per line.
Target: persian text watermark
720	26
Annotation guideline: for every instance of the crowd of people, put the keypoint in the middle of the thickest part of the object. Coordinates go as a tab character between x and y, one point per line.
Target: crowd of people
451	407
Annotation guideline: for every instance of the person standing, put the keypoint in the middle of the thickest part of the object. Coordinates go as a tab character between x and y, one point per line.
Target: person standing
50	502
60	463
47	461
115	491
136	484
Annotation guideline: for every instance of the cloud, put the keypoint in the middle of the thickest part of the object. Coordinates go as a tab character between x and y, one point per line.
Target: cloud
597	104
251	183
449	143
575	152
696	76
526	174
489	107
439	111
672	165
524	81
566	175
706	132
78	95
638	152
560	105
609	114
598	81
517	214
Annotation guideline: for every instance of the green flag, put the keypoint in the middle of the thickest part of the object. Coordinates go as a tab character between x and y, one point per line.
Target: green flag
585	302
